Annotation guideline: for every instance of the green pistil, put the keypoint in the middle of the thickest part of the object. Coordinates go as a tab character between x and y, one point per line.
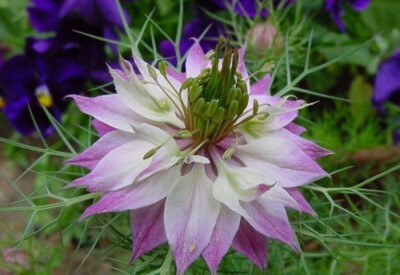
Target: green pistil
216	98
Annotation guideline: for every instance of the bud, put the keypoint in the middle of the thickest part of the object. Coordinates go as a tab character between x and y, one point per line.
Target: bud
152	72
186	83
229	153
162	67
185	134
264	37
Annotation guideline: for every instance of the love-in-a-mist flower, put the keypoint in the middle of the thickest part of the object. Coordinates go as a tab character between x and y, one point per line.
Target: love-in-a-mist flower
202	160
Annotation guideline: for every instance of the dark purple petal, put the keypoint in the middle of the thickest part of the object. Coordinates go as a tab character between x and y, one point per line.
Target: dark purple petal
147	228
335	7
251	244
387	82
243	7
359	5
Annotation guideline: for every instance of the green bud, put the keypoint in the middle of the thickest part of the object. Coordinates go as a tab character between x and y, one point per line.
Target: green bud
228	153
232	110
186	83
243	103
198	106
152	72
212	108
185	133
209	54
242	85
255	106
230	96
195	92
162	67
267	67
219	115
150	153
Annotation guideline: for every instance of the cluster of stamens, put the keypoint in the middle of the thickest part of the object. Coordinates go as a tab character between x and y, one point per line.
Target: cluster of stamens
216	98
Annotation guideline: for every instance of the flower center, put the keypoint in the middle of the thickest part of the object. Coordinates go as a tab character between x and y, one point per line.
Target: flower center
43	95
216	98
2	102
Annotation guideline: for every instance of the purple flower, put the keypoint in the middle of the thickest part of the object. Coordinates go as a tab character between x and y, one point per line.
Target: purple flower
193	29
387	82
42	76
249	7
202	160
335	7
47	15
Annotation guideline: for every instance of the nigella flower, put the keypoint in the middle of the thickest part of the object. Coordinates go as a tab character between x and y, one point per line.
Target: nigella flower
40	77
202	160
335	7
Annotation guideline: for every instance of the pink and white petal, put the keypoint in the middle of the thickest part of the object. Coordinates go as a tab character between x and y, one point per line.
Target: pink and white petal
195	60
295	129
109	109
101	127
282	161
190	216
221	239
310	148
181	77
239	184
110	141
117	169
303	204
142	194
148	102
270	219
261	87
144	71
147	226
251	244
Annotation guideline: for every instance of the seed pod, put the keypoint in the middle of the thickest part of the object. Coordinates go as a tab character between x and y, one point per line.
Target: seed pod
185	133
219	115
228	153
242	85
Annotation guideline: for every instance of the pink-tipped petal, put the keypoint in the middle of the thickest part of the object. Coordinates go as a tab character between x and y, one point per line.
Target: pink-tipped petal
251	244
261	87
101	127
190	216
117	169
281	160
310	148
147	225
295	129
109	109
144	193
194	60
224	231
303	204
110	141
181	77
270	219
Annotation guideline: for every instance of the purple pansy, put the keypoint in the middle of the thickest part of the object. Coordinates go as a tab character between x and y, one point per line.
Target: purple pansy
387	82
335	7
42	76
46	15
